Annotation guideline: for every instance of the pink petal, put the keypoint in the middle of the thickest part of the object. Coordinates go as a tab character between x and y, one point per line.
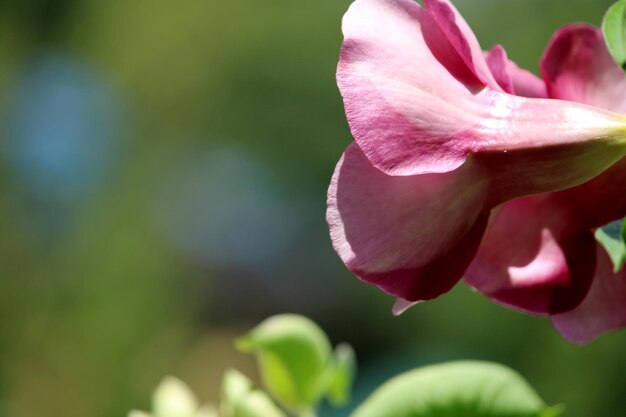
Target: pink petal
599	201
401	103
602	311
532	246
538	252
499	65
440	46
410	115
512	78
577	66
533	257
411	236
462	39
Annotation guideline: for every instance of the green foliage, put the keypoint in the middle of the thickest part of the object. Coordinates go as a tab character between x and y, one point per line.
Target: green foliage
299	369
613	237
296	362
235	387
456	389
239	400
173	398
614	30
344	369
257	404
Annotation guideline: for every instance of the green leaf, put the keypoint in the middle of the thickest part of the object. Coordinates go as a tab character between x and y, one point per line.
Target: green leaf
257	404
239	400
235	387
456	389
343	371
614	30
173	398
293	355
613	237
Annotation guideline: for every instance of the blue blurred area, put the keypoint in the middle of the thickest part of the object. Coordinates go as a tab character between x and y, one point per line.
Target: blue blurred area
221	207
64	126
164	176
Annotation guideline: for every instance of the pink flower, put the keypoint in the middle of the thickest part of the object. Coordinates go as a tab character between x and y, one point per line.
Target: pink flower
539	253
443	135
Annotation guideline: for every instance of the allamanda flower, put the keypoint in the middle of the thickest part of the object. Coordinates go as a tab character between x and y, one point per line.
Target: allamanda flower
443	135
539	253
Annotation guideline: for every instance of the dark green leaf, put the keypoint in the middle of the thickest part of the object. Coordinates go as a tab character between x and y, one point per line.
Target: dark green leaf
456	389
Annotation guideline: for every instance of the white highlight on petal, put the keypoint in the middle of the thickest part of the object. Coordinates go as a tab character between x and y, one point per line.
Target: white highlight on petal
549	263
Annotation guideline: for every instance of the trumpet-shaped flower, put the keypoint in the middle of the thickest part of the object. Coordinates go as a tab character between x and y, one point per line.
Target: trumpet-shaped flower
444	134
539	253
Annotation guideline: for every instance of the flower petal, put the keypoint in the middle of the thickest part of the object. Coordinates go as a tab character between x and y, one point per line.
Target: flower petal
440	46
598	201
604	308
512	78
411	236
534	258
462	39
409	201
410	116
577	66
401	103
499	65
538	252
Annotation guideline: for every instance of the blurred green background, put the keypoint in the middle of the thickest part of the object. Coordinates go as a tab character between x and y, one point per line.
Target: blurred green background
164	169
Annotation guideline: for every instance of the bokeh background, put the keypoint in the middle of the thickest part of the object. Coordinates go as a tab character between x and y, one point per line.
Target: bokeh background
163	172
